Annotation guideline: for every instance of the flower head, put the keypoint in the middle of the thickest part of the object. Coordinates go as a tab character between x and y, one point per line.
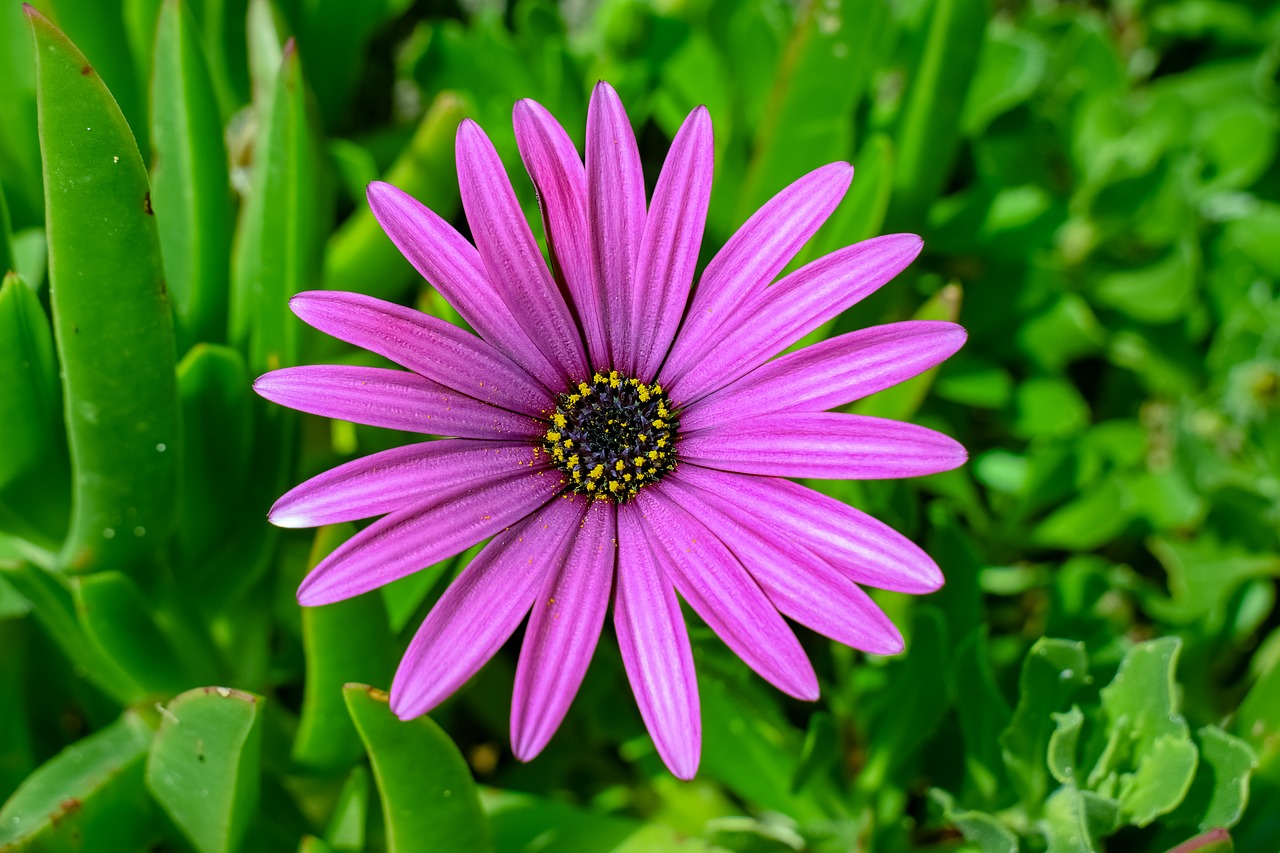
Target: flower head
622	435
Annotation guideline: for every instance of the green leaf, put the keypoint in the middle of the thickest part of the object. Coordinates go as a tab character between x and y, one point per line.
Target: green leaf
1220	790
984	714
278	243
344	641
1076	820
340	32
111	316
213	388
929	125
860	215
820	752
902	401
19	143
34	469
1158	293
17	757
1161	781
88	797
359	257
1204	573
1009	70
1051	672
429	799
191	190
1063	743
203	767
116	618
346	829
979	828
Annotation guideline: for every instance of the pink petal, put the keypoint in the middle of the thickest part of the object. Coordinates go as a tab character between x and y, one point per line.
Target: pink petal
825	445
831	373
512	257
395	399
482	608
453	266
427	345
866	550
616	201
754	256
655	648
800	583
561	181
789	310
391	480
447	523
669	248
563	630
722	592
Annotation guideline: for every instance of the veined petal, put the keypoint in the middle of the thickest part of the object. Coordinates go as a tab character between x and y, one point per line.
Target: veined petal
453	267
825	445
391	480
563	630
447	523
800	583
395	399
482	608
655	648
669	248
754	256
561	181
511	254
722	592
789	310
616	202
427	345
866	550
831	373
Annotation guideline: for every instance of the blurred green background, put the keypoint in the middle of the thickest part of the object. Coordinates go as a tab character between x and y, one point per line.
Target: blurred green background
1099	192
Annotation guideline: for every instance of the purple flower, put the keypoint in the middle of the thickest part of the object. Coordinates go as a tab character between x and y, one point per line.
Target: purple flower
619	433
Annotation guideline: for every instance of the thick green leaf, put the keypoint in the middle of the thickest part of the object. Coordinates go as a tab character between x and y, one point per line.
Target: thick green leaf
34	470
17	758
117	618
359	256
979	828
929	125
191	191
429	800
111	314
346	829
19	143
1076	821
1051	672
213	387
344	641
279	238
88	797
1220	790
203	767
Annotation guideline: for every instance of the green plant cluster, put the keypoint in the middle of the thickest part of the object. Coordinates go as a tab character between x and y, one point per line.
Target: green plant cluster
1099	191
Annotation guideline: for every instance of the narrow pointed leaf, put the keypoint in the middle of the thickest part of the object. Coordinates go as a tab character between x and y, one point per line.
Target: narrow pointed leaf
429	800
203	766
111	312
901	402
191	193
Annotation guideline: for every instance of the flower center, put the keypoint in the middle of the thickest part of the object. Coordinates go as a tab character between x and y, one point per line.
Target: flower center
612	436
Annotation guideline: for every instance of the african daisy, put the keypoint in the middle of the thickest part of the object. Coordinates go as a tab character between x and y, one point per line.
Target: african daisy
620	433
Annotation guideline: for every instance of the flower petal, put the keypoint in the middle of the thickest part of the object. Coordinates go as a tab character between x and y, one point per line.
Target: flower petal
482	608
831	373
563	630
561	181
427	345
395	399
616	202
722	592
669	248
825	445
754	256
866	550
655	648
449	522
511	255
453	266
800	583
789	310
391	480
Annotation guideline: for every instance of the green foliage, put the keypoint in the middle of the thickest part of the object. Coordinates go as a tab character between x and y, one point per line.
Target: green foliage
1098	187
